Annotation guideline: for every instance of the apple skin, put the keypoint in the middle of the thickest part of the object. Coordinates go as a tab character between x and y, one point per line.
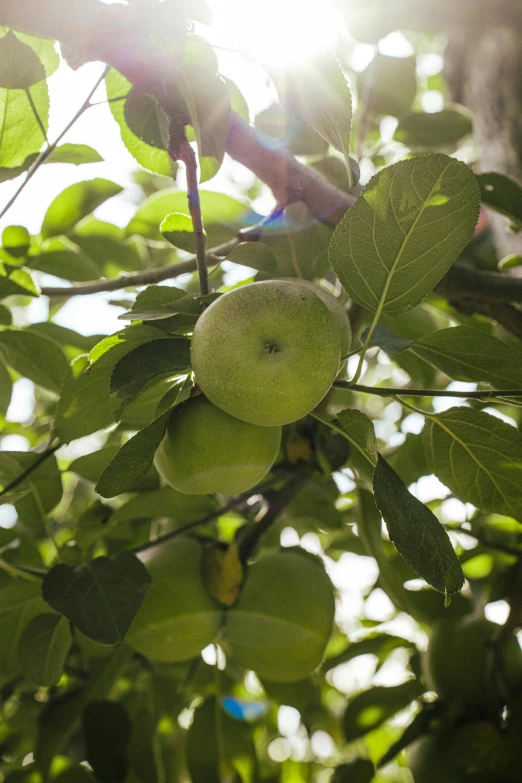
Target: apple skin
282	621
178	617
432	762
205	450
267	352
456	663
336	309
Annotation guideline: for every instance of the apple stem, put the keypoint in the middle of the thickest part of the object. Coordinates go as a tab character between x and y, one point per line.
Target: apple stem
186	154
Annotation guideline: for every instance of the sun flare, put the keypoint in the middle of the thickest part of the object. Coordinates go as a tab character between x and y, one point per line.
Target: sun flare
276	32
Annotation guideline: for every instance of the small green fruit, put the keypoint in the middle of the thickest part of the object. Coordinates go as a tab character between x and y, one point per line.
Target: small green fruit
430	762
178	617
267	352
336	309
205	450
457	663
282	621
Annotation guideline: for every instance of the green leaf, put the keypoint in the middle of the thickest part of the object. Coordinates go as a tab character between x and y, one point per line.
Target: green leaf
179	231
255	255
43	648
138	368
393	84
6	318
16	240
165	502
14	280
89	466
6	388
422	130
469	355
416	532
60	717
404	232
479	457
107	730
133	460
44	48
20	67
277	129
76	202
35	357
20	134
149	157
62	258
77	154
85	404
203	751
387	340
146	119
20	601
380	645
359	430
503	195
42	488
207	101
222	215
102	598
358	771
371	708
318	95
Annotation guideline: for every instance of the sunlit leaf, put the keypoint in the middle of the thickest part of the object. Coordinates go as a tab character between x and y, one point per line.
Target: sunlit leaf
150	157
34	356
318	95
479	457
20	66
372	707
404	232
76	202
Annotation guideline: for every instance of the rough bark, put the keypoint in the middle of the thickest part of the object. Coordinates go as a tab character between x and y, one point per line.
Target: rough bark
484	73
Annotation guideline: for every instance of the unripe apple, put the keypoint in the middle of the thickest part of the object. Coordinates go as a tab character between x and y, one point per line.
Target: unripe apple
283	618
336	309
267	352
178	617
205	450
458	661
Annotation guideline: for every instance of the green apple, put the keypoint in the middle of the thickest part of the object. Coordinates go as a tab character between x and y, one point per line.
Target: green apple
267	352
283	618
457	663
178	617
205	450
337	310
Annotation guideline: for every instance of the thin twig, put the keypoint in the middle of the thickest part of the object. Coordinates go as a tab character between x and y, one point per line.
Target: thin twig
233	503
139	279
46	152
382	391
186	154
36	114
32	467
277	501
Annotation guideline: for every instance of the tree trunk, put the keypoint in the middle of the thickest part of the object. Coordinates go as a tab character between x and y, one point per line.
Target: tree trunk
484	73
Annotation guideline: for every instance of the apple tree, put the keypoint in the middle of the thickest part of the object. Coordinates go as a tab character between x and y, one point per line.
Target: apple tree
300	452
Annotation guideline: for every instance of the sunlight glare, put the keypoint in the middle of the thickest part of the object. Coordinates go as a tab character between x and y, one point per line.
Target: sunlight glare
275	32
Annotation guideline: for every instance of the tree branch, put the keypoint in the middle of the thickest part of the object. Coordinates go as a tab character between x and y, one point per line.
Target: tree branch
141	278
